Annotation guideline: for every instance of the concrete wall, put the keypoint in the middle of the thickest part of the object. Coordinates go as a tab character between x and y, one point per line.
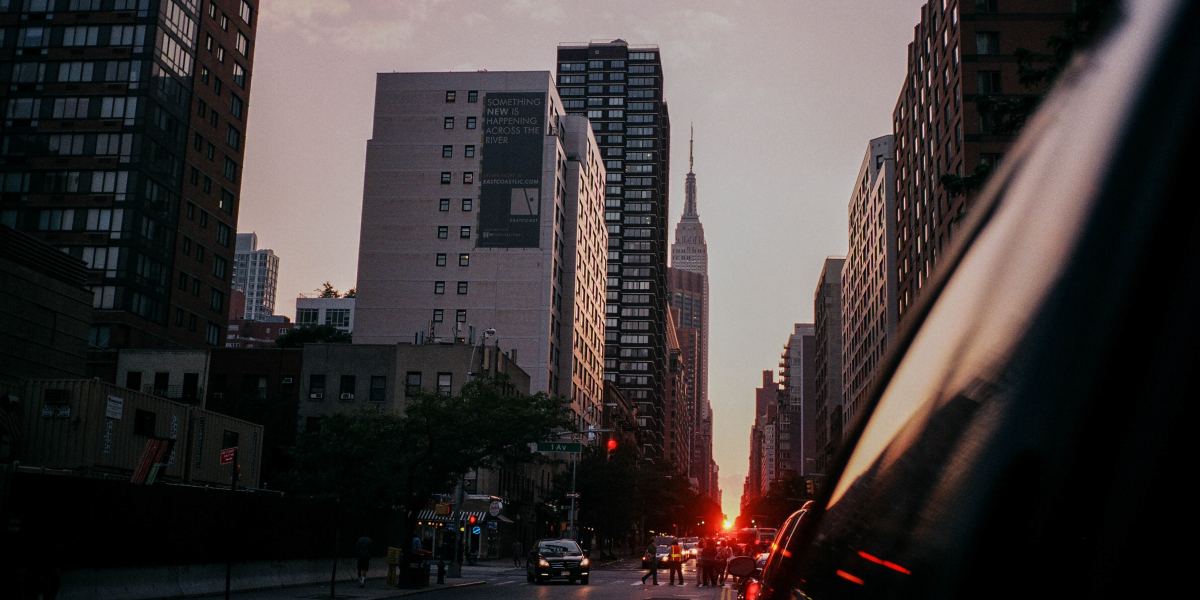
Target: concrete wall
176	363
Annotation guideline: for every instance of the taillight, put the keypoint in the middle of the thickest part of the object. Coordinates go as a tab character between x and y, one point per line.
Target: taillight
752	589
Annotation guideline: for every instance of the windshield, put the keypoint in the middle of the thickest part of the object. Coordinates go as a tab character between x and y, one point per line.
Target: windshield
663	549
558	547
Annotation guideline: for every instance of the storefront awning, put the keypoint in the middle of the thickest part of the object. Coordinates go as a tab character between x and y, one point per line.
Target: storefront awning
429	515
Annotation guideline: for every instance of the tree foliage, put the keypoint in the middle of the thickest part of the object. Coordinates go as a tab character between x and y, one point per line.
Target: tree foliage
327	291
785	496
312	334
371	459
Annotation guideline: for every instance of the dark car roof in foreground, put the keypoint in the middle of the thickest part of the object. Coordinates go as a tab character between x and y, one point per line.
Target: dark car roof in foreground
1027	437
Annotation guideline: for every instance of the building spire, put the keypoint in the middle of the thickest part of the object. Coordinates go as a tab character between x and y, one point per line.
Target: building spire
691	141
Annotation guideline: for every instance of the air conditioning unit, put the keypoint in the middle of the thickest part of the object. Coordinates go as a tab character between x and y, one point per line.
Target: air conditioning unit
347	396
287	379
317	395
218	395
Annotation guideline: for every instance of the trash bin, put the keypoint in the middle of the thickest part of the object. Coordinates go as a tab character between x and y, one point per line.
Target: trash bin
414	572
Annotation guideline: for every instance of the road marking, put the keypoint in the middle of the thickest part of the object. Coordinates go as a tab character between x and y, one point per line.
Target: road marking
505	583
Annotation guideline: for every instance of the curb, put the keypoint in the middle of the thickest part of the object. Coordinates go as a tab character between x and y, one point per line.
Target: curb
432	589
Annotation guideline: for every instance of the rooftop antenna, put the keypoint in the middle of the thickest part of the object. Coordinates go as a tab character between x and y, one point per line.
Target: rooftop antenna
691	140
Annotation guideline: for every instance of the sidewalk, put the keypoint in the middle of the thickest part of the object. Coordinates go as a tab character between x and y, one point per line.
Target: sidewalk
376	590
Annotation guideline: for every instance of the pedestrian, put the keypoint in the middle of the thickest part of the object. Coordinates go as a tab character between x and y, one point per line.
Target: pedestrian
362	548
723	557
517	553
675	562
701	562
652	550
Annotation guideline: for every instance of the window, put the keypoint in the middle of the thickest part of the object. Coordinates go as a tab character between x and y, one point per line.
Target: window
307	316
444	204
192	321
450	96
220	265
223	236
463	260
246	12
441	260
473	96
235	105
204	73
213	337
447	151
233	138
437	315
464	232
462	288
986	6
216	300
469	151
143	422
446	177
220	53
224	22
412	383
316	387
448	123
218	85
460	316
443	232
470	122
444	383
378	386
439	287
338	317
347	388
467	204
230	169
987	42
239	75
468	177
989	82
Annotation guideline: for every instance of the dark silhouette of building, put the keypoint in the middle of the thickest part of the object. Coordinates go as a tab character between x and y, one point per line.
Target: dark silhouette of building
619	88
44	310
827	362
123	146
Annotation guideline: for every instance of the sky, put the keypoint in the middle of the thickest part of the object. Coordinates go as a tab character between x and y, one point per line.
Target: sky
784	96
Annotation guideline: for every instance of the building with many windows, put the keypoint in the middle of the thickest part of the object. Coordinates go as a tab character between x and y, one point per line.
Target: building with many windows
483	210
619	88
795	439
963	57
313	310
255	274
122	145
827	362
868	277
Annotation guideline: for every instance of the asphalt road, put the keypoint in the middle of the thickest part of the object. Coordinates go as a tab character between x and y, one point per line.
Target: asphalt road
610	583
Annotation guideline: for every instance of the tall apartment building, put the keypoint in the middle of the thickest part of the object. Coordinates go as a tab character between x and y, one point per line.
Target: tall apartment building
255	274
962	50
766	400
827	361
483	209
688	288
619	87
122	145
677	413
869	308
796	437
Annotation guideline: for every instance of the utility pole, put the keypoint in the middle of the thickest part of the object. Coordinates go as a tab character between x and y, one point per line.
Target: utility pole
232	505
456	566
574	464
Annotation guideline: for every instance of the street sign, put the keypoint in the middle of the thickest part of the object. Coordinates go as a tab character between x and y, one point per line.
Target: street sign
475	530
227	455
572	447
572	495
494	508
393	556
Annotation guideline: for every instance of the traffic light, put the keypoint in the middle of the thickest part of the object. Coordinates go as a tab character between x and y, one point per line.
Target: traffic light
612	448
811	487
471	519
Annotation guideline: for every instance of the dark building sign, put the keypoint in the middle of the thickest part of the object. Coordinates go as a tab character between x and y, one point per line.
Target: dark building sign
510	194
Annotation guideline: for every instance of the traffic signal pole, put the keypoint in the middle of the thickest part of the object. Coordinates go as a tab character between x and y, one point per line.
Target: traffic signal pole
574	464
233	487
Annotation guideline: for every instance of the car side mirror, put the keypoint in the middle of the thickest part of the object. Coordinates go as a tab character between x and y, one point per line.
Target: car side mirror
742	566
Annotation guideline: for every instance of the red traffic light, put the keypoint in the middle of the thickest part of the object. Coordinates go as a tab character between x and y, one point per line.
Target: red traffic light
612	444
471	519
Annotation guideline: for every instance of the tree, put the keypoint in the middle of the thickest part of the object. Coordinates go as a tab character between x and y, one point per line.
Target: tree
372	459
327	291
350	293
312	334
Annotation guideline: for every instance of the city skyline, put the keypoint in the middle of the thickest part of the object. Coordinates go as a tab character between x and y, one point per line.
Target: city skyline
777	189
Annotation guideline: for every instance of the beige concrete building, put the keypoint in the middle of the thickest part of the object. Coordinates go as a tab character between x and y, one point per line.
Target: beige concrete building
482	209
869	275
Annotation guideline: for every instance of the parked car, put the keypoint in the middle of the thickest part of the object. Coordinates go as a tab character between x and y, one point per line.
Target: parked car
557	559
1031	431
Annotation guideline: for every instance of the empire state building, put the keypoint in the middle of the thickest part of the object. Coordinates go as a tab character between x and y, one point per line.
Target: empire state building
688	288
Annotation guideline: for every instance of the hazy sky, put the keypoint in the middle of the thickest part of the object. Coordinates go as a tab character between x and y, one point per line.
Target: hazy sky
784	95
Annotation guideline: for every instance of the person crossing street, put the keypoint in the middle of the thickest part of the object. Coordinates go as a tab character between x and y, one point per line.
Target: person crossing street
675	562
652	550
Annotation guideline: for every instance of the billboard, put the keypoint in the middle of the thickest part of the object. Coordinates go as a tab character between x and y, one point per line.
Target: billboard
510	182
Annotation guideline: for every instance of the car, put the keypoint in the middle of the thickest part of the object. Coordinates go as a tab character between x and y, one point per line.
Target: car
557	559
661	554
1030	431
690	550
